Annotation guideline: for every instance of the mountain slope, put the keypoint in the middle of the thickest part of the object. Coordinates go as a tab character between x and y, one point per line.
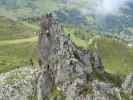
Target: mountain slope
116	55
118	27
21	8
17	44
10	29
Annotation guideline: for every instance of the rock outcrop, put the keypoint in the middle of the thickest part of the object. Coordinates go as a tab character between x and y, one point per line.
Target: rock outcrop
71	72
71	68
66	72
17	84
128	84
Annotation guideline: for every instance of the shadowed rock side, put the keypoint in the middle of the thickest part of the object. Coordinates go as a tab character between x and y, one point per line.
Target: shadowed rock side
68	69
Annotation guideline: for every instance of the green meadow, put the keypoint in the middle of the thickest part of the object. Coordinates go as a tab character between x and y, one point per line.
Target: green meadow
17	44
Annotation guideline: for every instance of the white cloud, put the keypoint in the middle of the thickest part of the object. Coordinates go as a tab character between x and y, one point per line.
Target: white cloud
110	6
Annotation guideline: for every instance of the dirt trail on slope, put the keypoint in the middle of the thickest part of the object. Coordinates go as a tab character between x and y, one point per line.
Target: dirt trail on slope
18	41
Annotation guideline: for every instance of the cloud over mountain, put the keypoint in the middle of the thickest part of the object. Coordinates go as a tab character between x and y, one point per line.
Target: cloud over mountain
107	7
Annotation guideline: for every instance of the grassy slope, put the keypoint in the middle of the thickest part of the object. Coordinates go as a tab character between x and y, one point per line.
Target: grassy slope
17	44
116	55
17	55
17	41
10	29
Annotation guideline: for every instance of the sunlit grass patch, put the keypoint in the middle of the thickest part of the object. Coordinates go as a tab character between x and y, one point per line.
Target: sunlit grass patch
10	29
17	55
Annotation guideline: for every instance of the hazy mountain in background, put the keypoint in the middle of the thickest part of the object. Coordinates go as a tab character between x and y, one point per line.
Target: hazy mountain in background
21	8
107	17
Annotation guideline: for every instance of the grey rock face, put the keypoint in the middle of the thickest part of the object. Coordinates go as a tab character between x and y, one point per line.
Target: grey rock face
98	61
70	69
45	40
128	83
43	49
101	88
45	85
70	66
16	84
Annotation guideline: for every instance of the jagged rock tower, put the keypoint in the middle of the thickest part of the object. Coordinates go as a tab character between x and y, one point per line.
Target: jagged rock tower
64	66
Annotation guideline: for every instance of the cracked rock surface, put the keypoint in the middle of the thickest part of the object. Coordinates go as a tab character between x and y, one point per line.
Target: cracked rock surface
71	69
